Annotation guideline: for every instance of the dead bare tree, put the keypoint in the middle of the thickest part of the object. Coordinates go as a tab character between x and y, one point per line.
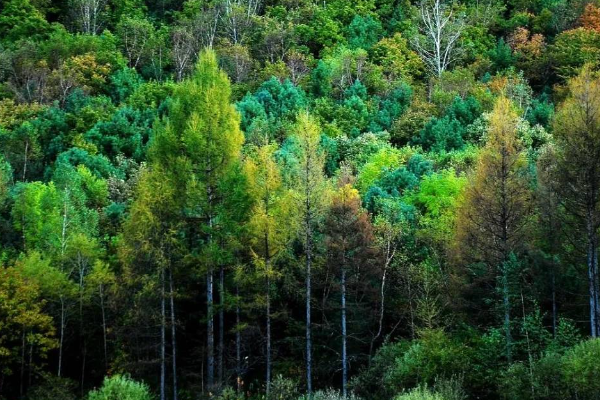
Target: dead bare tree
440	29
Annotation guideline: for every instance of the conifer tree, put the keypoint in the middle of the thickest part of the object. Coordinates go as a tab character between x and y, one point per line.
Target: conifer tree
577	171
493	213
310	187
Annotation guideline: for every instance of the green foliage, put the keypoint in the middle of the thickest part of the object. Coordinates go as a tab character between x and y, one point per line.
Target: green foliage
363	32
52	388
449	133
121	387
19	19
284	389
420	393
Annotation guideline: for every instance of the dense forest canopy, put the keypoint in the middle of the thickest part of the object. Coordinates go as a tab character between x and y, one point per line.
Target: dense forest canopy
298	199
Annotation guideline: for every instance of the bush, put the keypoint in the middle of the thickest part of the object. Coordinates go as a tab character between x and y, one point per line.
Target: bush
420	393
283	389
556	376
120	387
329	394
582	370
53	388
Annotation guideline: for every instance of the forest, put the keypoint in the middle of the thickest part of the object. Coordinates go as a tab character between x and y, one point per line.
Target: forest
299	199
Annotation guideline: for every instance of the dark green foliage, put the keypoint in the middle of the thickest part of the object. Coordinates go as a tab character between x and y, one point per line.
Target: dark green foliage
501	55
363	32
391	108
448	133
127	133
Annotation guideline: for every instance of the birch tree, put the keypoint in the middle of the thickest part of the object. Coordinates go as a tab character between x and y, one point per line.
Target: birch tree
440	28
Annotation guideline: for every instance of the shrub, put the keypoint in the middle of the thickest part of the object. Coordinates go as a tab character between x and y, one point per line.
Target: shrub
120	387
582	370
53	388
420	393
283	389
329	394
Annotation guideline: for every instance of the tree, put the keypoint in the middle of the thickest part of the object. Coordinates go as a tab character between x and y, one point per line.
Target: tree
269	225
349	237
201	137
136	37
89	15
577	134
24	324
310	198
238	16
494	209
440	29
19	19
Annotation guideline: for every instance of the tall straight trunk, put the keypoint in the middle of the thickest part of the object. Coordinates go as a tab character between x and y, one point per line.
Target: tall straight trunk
592	261
162	337
173	334
22	363
506	304
210	325
268	388
210	332
238	342
390	252
308	327
504	218
221	321
104	327
268	290
30	368
308	255
554	310
62	334
344	337
83	360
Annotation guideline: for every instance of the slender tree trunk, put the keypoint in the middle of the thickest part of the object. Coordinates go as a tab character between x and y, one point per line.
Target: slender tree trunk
22	363
592	258
163	321
62	334
221	321
308	324
83	367
210	332
238	342
268	272
268	336
104	327
554	310
173	334
25	161
506	303
344	337
388	259
30	369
